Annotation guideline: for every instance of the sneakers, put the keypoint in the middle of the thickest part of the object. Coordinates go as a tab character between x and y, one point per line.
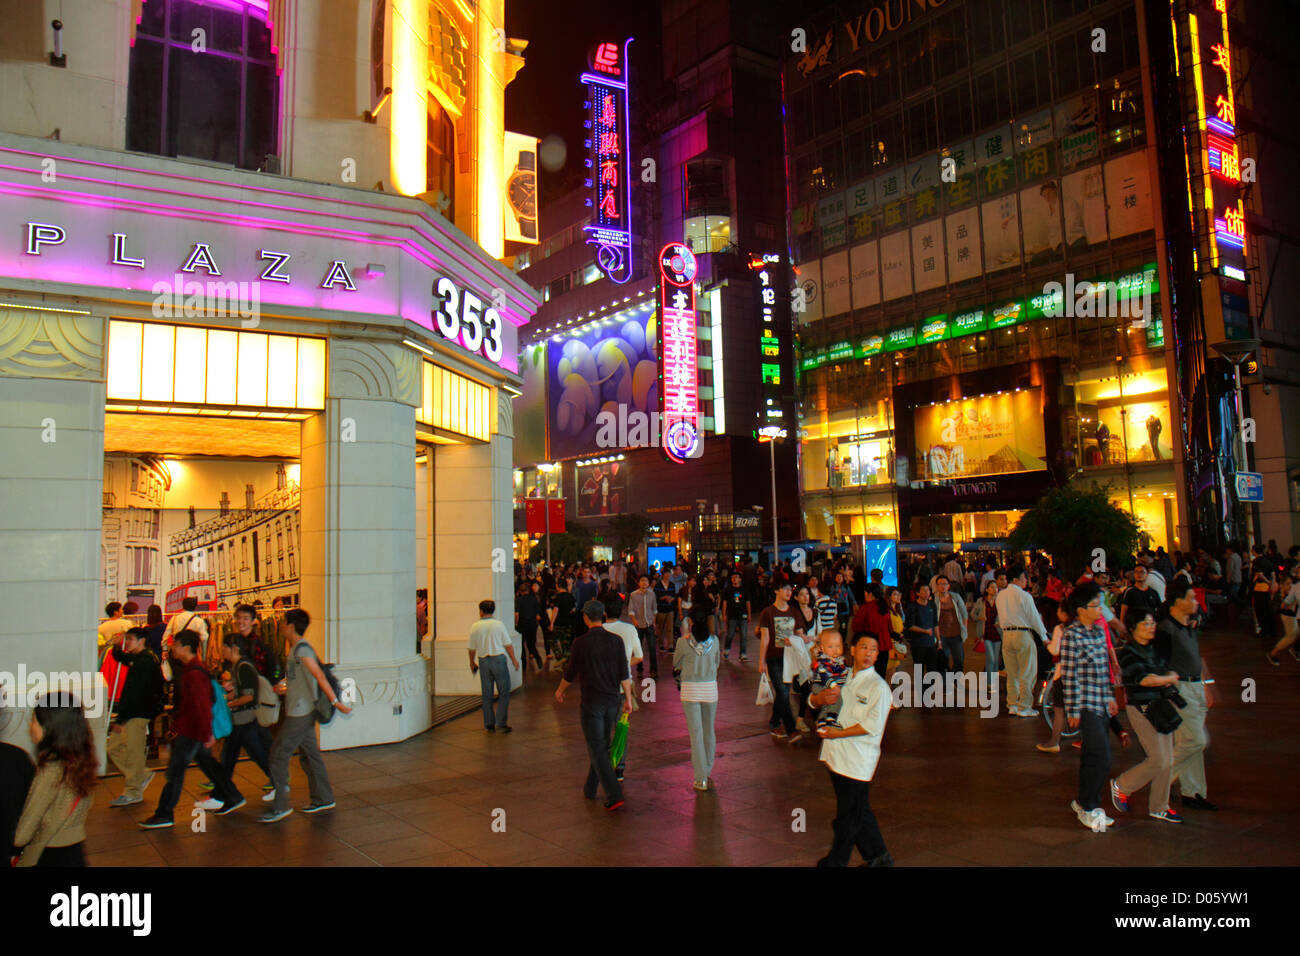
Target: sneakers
156	822
745	660
701	785
206	786
231	807
505	728
270	794
795	737
1118	797
212	803
1027	713
1168	816
1291	650
883	860
801	726
318	807
268	787
1053	749
779	734
614	805
274	816
125	801
1273	660
1197	803
1092	819
618	776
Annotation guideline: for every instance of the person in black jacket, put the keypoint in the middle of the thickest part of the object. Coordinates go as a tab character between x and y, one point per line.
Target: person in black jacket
16	772
1147	678
140	703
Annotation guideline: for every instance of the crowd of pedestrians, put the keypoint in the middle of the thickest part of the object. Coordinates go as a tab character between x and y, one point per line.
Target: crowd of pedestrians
1113	653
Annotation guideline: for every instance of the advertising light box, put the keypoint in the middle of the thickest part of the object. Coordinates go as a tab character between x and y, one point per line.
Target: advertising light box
934	329
1006	315
968	323
869	346
903	337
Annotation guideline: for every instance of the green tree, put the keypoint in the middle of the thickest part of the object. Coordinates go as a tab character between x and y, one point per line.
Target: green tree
568	547
1071	523
628	531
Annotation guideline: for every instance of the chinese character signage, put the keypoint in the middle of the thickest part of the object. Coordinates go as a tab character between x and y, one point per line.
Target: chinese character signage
607	144
1216	106
678	353
767	270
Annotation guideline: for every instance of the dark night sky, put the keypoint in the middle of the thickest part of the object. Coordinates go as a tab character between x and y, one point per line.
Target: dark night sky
546	97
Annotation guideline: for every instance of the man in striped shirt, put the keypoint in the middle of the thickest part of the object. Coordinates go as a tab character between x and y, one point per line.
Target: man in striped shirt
825	606
1089	700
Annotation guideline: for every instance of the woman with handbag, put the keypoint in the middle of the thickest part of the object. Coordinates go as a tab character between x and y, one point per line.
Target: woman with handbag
52	828
1149	682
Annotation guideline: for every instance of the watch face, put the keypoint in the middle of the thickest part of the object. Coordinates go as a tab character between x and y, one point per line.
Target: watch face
522	193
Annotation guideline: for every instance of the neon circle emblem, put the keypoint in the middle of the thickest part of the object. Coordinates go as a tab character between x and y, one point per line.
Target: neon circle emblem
677	264
683	441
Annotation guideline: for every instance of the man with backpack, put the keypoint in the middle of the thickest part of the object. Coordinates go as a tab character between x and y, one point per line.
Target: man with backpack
192	735
140	703
305	681
246	732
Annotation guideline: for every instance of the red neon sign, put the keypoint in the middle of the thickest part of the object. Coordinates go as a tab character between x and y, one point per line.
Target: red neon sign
605	60
678	353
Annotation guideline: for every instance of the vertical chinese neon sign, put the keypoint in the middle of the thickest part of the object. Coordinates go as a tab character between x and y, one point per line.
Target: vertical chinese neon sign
607	145
766	267
678	354
1217	111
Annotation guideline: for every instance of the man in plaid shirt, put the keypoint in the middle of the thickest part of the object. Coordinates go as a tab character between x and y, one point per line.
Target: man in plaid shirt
1089	700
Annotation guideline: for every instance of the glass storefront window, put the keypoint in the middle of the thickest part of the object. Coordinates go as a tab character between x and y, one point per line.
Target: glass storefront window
1125	421
853	449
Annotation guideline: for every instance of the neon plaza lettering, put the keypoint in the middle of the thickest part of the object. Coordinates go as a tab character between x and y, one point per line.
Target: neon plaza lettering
42	234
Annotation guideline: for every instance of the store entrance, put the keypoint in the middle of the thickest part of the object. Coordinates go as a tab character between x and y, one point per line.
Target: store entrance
205	508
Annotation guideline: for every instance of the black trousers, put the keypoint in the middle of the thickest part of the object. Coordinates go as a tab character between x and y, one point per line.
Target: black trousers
1094	761
855	824
74	855
253	738
185	749
528	630
598	718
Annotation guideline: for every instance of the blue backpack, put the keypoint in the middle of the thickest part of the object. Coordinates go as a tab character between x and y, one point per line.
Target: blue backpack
221	725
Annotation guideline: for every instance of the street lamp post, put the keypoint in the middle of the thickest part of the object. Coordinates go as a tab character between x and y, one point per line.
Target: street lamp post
770	434
546	468
1236	352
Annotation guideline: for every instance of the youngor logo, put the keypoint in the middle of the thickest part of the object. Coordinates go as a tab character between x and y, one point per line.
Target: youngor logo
120	910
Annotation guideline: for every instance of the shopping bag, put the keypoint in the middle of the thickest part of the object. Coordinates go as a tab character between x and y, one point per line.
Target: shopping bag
979	646
618	748
765	695
797	659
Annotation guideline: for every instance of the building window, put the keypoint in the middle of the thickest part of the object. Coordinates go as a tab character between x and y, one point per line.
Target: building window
221	104
440	157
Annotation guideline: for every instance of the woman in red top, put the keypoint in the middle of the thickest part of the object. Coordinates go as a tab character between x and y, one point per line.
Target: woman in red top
872	617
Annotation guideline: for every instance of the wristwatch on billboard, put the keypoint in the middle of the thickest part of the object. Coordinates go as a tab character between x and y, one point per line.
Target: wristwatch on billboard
521	193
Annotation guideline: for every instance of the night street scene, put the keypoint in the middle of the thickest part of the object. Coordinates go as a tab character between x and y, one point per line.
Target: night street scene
522	433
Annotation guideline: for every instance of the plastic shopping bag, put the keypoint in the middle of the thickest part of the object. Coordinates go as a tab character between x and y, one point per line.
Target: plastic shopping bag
618	749
765	695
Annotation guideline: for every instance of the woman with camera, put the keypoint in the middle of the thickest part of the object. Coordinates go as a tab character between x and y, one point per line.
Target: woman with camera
1149	683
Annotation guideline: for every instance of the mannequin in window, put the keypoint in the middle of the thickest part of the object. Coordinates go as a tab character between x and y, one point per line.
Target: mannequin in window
1103	441
832	461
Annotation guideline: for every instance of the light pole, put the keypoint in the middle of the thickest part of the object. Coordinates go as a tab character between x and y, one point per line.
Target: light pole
546	468
1236	352
770	434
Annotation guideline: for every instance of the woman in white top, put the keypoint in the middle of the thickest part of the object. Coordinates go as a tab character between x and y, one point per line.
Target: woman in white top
798	657
1290	604
695	665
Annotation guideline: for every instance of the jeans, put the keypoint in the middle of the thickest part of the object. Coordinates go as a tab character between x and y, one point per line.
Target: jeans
184	750
952	646
299	733
1094	762
855	823
598	718
992	657
699	725
781	713
663	628
925	651
252	737
649	654
736	625
495	670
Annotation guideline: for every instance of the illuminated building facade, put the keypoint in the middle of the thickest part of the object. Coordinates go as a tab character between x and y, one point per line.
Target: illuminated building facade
700	97
983	219
267	340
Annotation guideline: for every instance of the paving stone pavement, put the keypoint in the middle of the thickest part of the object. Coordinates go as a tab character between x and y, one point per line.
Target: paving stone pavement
952	789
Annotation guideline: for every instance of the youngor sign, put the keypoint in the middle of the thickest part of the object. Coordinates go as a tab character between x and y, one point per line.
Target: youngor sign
678	353
883	17
607	163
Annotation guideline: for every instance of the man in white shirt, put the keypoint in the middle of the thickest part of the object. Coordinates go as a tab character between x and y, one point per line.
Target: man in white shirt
491	644
627	633
851	751
115	626
187	619
955	572
1020	621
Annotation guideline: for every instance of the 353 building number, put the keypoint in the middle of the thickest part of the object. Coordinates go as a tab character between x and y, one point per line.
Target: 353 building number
461	317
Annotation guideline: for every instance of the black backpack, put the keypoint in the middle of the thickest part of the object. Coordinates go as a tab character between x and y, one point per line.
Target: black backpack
324	709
